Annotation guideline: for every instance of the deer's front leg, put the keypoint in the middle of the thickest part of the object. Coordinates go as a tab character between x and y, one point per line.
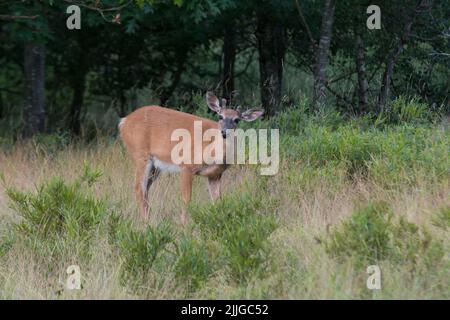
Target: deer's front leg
214	187
186	191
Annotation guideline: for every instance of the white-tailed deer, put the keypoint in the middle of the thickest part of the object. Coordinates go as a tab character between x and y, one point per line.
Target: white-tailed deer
147	134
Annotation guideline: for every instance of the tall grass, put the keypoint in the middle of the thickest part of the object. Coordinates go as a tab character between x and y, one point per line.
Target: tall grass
350	193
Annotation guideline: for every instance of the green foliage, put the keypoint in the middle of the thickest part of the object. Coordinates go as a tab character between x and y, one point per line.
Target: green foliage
90	176
412	245
50	143
200	107
63	220
346	144
6	243
254	242
291	121
174	49
366	235
58	214
241	225
410	154
233	239
139	249
196	262
371	235
402	110
442	219
393	156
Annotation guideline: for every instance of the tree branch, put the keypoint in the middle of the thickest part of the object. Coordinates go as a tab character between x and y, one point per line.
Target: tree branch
308	31
102	10
5	17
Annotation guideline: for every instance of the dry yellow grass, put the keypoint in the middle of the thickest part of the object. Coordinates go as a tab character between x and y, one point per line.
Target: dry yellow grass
305	212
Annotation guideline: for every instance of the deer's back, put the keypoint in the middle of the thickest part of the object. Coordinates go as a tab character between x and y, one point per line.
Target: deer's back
148	130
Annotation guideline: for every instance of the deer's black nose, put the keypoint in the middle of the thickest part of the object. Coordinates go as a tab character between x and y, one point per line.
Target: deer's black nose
224	134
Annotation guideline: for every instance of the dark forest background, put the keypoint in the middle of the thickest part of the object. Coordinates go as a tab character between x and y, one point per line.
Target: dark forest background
363	177
276	53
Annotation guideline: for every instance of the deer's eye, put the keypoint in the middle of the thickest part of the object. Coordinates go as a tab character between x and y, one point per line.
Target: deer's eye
237	120
220	117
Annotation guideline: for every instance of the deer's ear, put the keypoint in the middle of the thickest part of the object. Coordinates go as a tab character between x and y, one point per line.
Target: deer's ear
213	102
252	114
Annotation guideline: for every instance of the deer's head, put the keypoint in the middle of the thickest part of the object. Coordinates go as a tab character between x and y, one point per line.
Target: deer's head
228	117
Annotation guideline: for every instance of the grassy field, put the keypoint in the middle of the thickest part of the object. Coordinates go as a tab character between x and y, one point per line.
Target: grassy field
349	194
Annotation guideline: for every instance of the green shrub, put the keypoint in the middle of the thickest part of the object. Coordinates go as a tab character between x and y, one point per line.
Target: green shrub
394	157
59	216
410	154
195	263
321	145
415	246
442	219
294	120
371	235
365	235
140	249
402	110
114	225
289	121
50	143
6	243
241	224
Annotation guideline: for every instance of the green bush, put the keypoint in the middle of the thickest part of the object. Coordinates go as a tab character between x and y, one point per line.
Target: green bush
320	146
6	243
50	143
402	110
442	219
59	214
415	246
241	224
289	121
294	120
410	154
195	263
365	235
371	235
393	157
140	249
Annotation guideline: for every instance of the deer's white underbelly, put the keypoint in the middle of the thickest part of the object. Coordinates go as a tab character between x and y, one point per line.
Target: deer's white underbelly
165	167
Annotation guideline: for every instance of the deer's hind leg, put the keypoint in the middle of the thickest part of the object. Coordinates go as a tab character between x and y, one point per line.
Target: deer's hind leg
151	173
146	174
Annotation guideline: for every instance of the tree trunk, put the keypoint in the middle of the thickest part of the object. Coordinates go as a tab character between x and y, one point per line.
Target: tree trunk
320	77
1	105
389	70
77	103
167	92
383	96
79	69
270	34
34	68
229	55
363	85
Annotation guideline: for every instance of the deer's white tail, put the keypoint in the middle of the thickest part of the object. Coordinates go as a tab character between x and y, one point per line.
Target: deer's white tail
122	121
